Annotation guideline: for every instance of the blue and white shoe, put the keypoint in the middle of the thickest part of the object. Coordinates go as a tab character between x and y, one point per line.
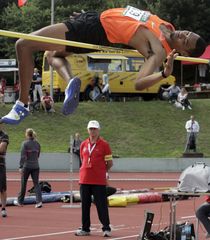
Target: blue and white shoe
71	100
16	115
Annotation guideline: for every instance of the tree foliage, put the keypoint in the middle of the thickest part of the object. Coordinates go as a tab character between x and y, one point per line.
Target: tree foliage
192	15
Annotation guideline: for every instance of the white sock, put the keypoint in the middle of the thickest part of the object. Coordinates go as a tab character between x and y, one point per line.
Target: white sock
20	103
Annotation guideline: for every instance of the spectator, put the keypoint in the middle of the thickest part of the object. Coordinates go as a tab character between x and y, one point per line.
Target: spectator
47	102
173	92
76	147
96	159
4	141
202	68
203	213
31	91
93	89
182	100
193	129
37	85
2	89
29	165
105	86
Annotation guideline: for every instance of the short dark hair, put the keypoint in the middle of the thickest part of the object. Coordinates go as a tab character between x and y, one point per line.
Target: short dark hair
199	48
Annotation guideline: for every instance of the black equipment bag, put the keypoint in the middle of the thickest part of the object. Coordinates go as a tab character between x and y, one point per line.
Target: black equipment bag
45	187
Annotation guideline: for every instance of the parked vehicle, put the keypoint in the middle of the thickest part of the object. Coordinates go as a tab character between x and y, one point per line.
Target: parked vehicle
121	69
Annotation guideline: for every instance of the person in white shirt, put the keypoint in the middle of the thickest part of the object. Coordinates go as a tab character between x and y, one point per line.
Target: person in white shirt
105	86
202	68
193	129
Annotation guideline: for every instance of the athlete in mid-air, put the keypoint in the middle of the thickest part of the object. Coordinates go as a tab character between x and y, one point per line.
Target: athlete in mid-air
151	36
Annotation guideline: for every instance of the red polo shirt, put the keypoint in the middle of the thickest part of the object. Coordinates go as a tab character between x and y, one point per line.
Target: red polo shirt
94	157
207	198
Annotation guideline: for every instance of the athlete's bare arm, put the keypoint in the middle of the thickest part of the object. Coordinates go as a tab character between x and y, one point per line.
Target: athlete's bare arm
151	48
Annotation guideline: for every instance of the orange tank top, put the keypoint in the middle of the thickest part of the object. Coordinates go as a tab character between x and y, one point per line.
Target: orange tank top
120	24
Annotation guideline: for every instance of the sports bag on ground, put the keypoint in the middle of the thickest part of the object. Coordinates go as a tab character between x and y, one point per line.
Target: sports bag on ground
45	187
195	178
183	231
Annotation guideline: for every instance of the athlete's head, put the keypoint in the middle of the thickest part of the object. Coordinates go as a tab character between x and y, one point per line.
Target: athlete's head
188	44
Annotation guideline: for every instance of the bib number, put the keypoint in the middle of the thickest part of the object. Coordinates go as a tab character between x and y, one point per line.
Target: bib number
136	14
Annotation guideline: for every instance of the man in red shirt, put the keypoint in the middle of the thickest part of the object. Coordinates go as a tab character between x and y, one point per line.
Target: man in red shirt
96	159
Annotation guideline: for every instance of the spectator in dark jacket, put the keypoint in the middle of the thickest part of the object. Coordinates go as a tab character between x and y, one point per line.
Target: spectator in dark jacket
4	141
76	147
29	165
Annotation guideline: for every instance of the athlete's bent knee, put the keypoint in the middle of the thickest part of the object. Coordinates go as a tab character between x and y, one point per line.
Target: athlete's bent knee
49	55
19	43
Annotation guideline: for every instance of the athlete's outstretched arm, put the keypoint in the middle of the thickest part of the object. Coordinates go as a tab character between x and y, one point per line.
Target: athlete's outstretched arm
147	77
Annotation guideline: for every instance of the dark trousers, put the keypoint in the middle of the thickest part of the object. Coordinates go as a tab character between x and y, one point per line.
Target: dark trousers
173	97
100	199
203	213
24	178
191	142
185	102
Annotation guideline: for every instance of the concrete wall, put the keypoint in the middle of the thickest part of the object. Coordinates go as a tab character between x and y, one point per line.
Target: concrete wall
62	162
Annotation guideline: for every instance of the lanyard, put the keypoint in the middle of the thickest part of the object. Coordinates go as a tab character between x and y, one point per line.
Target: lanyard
90	150
192	123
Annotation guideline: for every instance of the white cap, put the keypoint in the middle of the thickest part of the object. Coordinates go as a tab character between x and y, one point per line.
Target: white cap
93	124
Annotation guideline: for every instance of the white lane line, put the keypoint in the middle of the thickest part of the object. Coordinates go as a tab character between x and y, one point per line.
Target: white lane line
39	235
126	237
115	228
193	216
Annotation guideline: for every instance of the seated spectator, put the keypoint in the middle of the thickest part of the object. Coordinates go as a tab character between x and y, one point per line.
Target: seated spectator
93	89
182	100
2	90
47	103
173	92
2	98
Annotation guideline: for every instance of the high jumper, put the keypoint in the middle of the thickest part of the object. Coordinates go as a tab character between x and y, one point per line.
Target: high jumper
154	38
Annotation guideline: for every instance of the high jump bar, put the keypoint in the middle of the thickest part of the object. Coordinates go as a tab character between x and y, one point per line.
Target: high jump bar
87	45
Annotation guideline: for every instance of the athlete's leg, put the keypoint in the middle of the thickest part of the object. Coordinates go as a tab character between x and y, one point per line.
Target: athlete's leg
3	203
25	50
3	199
58	61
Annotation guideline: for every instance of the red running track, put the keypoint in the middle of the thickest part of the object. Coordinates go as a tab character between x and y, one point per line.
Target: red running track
54	222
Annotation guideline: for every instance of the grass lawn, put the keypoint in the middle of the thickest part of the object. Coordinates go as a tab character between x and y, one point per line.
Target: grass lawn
133	129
